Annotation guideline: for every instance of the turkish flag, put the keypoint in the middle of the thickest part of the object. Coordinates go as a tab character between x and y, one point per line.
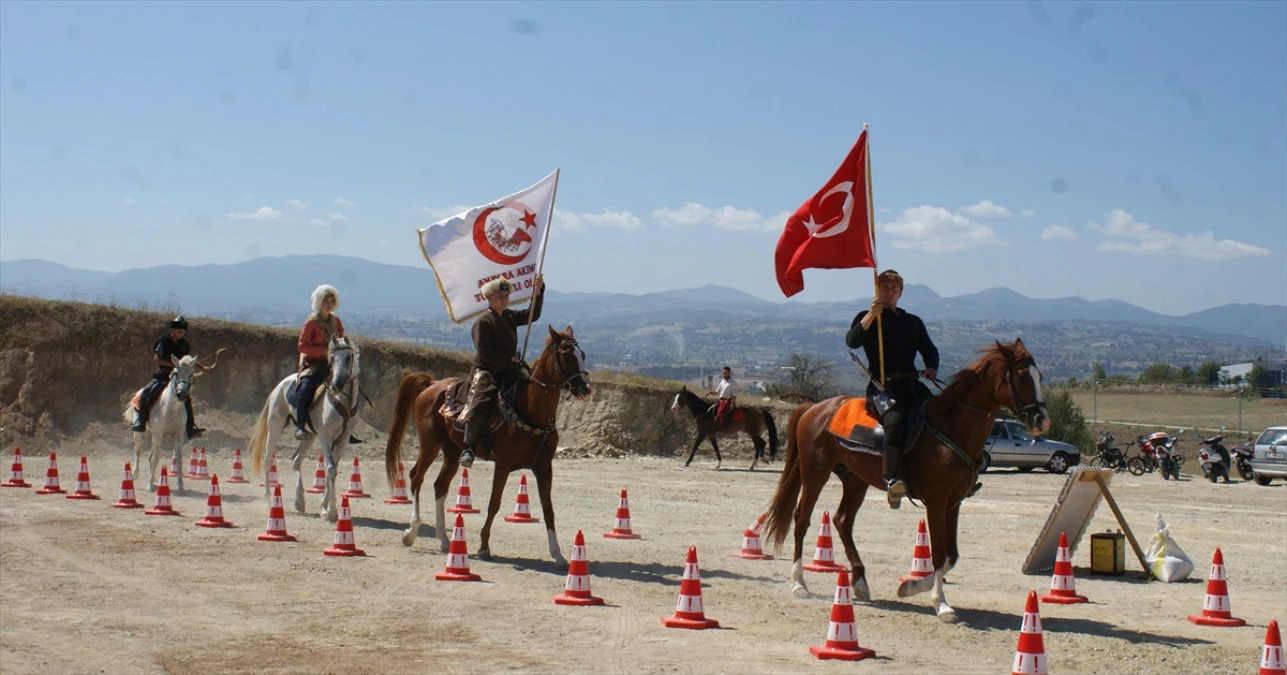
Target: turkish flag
832	230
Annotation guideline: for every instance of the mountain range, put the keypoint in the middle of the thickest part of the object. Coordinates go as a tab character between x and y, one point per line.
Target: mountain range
263	288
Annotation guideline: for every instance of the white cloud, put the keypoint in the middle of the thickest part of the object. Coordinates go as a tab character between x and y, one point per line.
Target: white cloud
383	242
1125	235
295	203
727	217
129	201
1027	213
346	203
566	220
332	219
986	209
622	219
262	213
1058	232
937	230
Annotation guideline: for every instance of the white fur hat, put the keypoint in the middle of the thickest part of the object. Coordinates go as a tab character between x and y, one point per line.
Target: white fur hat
320	292
499	284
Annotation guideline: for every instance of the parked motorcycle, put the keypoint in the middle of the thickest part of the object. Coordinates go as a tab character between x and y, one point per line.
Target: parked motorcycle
1108	455
1156	452
1242	459
1215	459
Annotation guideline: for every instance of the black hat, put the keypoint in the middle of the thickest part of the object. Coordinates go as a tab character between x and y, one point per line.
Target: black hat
179	323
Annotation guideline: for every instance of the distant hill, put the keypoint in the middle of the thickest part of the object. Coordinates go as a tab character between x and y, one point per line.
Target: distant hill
264	288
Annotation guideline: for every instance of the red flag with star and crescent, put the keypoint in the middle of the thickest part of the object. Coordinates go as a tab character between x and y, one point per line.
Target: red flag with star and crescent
832	230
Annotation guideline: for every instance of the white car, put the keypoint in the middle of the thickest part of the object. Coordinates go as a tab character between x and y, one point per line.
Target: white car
1011	446
1270	458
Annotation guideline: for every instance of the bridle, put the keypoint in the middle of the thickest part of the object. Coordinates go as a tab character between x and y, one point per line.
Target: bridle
348	406
581	375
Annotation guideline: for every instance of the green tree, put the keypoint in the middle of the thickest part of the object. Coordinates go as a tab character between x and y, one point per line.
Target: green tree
805	377
1259	376
1098	372
1208	373
1187	375
1159	372
1068	422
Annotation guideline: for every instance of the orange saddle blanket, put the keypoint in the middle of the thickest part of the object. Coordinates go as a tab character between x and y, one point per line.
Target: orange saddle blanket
853	422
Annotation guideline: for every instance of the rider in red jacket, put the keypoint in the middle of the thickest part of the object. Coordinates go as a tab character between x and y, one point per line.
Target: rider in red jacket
321	329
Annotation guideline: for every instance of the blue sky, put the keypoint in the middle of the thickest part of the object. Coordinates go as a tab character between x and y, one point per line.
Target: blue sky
1107	150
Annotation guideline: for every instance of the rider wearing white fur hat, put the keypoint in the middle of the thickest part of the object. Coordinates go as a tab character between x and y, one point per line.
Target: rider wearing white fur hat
321	329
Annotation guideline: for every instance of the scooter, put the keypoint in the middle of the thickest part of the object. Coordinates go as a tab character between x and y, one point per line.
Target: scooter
1242	454
1214	457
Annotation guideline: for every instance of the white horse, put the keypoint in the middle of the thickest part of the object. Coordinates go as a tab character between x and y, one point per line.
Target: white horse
331	417
167	424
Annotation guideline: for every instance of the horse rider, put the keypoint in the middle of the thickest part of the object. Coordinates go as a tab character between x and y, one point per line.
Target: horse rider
727	393
904	337
496	361
321	329
164	351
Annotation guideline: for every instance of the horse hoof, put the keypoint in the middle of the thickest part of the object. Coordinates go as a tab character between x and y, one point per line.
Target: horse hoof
861	593
299	506
444	545
408	538
800	591
947	616
151	488
484	554
560	560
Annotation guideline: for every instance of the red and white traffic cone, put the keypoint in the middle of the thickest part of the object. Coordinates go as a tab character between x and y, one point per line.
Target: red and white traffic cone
83	490
1030	655
276	530
842	635
203	467
464	504
689	612
237	476
457	556
1215	607
355	483
522	508
1063	588
344	544
272	472
399	487
621	526
51	478
127	500
214	507
319	477
1271	659
751	547
922	564
824	557
162	506
16	479
577	589
192	464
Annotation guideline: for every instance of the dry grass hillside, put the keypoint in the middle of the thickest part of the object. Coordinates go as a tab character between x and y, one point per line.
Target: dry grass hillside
67	369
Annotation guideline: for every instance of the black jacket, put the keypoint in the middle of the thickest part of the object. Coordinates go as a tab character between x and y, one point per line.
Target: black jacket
905	336
496	337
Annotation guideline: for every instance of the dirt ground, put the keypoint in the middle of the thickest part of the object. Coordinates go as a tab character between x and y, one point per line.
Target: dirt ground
85	588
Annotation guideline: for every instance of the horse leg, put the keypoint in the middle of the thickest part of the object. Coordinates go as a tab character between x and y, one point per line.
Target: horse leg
297	463
936	519
719	461
330	510
803	512
450	463
177	460
154	454
759	449
493	506
855	490
700	435
952	554
544	473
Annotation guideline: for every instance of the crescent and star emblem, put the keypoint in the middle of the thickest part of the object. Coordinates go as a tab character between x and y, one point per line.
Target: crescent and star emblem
847	188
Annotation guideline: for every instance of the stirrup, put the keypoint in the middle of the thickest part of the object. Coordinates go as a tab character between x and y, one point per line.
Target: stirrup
895	490
300	433
974	490
467	458
195	432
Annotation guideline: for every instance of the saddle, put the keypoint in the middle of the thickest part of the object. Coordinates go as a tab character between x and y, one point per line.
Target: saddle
858	429
458	395
730	418
292	394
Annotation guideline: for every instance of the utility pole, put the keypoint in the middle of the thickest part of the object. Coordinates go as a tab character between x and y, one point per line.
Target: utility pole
1094	387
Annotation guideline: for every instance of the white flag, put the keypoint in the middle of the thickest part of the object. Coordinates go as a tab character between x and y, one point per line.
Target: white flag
505	238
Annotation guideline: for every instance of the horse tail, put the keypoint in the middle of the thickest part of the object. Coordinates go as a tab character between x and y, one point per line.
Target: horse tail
259	437
412	385
782	507
773	433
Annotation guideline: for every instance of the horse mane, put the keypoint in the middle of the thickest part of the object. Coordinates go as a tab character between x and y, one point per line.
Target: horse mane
993	356
694	402
187	361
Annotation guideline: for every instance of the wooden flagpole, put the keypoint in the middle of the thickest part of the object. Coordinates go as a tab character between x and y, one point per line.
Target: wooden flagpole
871	229
540	265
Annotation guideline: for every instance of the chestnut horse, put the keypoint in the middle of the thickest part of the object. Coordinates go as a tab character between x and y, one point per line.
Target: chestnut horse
529	443
940	468
753	421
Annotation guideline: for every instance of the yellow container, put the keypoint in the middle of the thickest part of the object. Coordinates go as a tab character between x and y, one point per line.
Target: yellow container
1108	553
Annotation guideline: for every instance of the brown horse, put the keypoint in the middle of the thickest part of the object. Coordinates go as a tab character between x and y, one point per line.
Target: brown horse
753	421
529	443
940	468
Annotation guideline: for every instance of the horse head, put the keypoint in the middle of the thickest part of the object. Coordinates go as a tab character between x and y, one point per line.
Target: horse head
181	376
679	396
569	363
343	356
1021	390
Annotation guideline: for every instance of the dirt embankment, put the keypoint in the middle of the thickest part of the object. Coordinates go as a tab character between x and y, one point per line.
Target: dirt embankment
67	370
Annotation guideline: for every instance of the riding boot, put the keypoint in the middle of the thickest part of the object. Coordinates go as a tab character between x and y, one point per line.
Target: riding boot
140	420
193	430
895	488
301	417
473	429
